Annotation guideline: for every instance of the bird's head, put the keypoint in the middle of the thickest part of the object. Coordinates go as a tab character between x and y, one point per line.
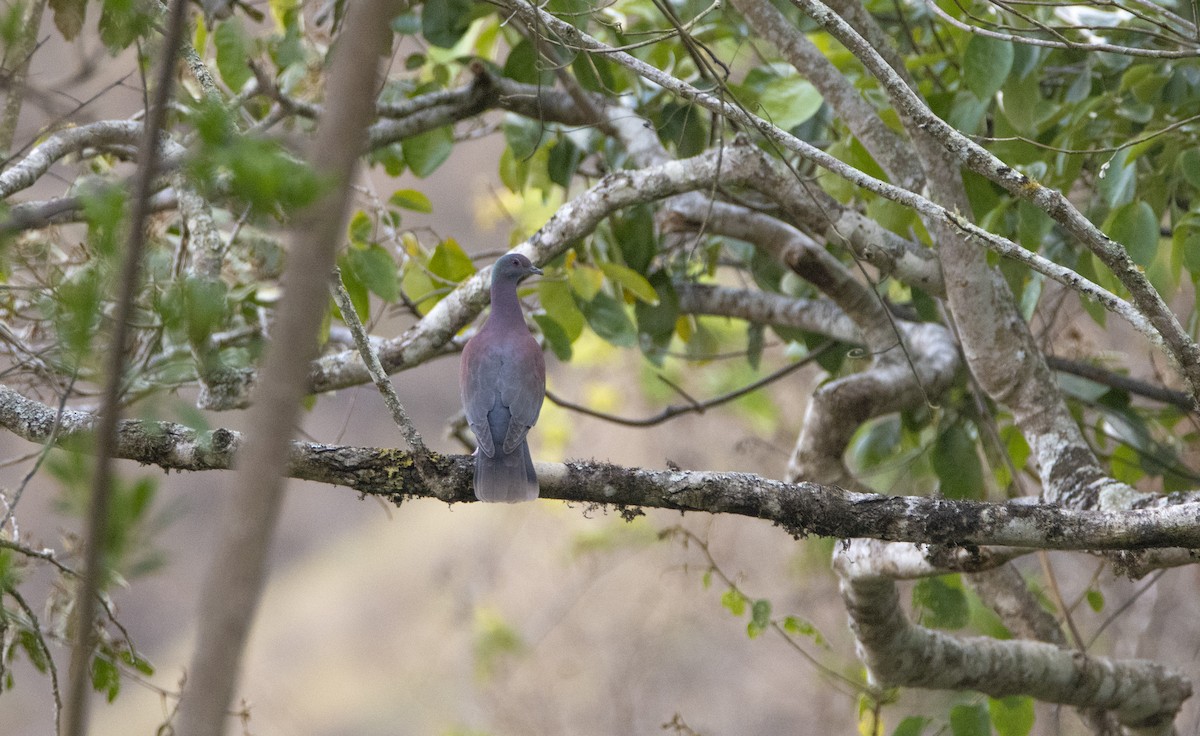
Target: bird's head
513	267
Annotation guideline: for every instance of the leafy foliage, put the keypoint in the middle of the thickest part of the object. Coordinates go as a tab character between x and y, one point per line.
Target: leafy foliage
1116	132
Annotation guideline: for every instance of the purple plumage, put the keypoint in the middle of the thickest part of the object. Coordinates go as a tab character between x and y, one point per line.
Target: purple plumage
503	383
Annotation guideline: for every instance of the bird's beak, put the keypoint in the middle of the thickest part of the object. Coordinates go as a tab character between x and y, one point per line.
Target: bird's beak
535	271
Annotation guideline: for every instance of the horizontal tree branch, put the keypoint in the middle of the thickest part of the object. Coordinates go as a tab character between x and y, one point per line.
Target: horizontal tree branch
25	172
801	508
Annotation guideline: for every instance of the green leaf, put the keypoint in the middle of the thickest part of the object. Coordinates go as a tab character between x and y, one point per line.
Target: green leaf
986	64
555	335
233	50
523	65
1118	179
1189	166
410	199
656	323
360	228
760	618
1012	716
1135	227
943	605
969	720
523	135
451	262
357	290
564	159
105	678
608	319
683	125
445	21
33	649
634	231
123	21
631	280
734	601
140	664
789	101
755	333
911	726
876	442
556	299
800	627
1095	600
957	464
424	153
586	281
68	16
204	306
1186	242
374	267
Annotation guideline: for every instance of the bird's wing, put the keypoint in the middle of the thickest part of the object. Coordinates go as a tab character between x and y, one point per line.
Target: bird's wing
522	388
478	381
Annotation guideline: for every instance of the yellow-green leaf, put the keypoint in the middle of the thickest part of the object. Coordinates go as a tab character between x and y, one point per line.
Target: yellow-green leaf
586	281
630	280
411	199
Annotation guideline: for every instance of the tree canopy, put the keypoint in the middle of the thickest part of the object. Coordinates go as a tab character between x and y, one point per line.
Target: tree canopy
979	220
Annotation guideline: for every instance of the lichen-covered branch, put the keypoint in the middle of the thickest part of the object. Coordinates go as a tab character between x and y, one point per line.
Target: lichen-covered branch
1144	695
799	508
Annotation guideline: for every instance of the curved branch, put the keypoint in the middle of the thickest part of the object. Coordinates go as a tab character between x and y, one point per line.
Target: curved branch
1064	43
574	220
815	315
24	173
1143	695
699	407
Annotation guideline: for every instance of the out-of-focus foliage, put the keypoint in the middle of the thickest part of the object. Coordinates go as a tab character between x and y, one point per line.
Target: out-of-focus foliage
1117	132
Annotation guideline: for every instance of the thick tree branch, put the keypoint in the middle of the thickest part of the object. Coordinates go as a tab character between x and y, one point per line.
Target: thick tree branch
1144	695
25	172
799	508
893	153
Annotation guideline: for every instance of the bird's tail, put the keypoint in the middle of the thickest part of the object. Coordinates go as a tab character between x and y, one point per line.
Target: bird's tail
507	478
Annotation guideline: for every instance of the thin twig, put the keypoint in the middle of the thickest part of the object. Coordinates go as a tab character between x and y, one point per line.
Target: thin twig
1124	606
50	665
380	378
699	407
1109	378
41	458
691	537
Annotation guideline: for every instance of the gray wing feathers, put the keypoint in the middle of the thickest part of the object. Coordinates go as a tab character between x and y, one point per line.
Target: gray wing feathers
479	396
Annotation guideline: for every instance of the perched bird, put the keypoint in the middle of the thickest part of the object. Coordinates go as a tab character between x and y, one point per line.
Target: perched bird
503	383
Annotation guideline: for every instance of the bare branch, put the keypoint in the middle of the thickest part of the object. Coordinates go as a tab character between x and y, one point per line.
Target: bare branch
699	407
380	379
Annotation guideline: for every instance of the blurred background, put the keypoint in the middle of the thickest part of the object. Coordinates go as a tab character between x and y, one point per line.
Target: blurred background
543	618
